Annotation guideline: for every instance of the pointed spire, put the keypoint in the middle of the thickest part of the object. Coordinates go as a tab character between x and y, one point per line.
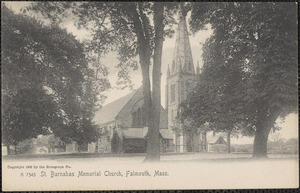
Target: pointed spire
198	67
182	55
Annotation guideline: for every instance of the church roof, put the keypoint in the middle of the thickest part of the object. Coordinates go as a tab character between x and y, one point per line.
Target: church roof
166	133
140	133
215	139
109	112
135	132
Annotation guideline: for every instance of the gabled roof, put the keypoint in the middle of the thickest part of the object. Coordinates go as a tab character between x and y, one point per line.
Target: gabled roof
215	139
166	133
220	140
108	112
135	132
141	133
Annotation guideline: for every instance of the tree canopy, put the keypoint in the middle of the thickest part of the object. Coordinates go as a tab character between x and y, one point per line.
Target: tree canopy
249	75
136	31
47	84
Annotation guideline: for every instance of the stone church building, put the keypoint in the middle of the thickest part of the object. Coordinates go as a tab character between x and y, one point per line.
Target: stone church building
123	127
180	81
123	122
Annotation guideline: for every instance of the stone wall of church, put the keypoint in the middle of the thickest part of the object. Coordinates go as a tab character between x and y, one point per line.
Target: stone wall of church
183	85
179	85
173	102
125	116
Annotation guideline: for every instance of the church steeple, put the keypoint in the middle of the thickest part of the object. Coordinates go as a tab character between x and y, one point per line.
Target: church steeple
182	55
180	80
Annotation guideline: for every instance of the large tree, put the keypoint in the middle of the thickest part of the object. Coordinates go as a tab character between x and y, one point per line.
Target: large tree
132	29
253	52
215	99
47	86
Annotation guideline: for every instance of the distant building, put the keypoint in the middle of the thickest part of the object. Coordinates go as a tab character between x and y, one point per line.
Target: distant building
215	142
124	126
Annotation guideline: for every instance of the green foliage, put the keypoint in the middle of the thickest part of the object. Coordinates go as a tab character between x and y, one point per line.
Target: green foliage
49	141
128	29
250	64
113	26
26	147
30	113
249	75
47	83
40	144
256	44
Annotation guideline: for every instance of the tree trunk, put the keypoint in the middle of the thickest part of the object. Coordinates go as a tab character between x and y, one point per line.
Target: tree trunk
8	149
16	152
152	107
153	153
260	142
228	141
262	133
144	61
204	140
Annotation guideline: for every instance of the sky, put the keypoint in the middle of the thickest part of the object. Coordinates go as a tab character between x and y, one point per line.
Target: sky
289	126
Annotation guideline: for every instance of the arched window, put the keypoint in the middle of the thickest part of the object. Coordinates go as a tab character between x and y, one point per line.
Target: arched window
139	117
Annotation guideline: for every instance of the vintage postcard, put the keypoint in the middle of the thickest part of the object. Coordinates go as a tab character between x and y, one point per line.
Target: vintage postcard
149	95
